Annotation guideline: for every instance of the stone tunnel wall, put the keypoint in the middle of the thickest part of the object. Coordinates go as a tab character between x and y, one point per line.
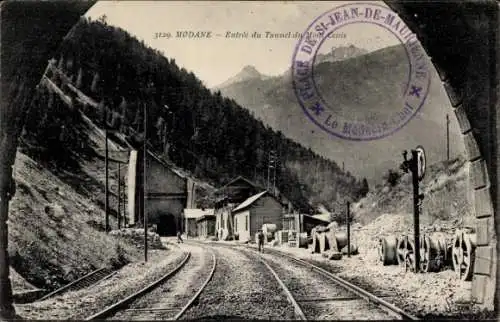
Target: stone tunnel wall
461	40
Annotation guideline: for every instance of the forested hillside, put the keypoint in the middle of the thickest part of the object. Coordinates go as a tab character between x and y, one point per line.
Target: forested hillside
204	133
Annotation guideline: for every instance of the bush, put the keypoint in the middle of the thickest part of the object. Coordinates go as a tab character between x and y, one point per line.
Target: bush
393	177
120	260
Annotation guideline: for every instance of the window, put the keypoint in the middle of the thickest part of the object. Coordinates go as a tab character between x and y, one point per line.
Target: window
236	222
246	223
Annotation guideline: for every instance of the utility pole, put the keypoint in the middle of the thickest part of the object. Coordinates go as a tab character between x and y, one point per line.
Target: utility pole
447	138
144	215
271	165
106	201
119	198
268	169
124	206
275	164
348	220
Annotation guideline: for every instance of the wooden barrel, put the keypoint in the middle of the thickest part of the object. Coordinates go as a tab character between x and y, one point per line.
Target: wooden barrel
464	254
315	241
433	251
333	225
341	237
353	250
269	228
406	252
302	240
387	250
331	241
323	242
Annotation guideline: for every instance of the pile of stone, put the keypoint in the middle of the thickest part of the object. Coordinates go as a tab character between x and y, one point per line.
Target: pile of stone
136	237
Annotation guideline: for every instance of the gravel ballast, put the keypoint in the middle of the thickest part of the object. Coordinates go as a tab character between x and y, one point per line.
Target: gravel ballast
83	303
241	288
439	294
321	298
165	301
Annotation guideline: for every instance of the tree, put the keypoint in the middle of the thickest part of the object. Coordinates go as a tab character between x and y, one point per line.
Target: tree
363	191
392	177
79	78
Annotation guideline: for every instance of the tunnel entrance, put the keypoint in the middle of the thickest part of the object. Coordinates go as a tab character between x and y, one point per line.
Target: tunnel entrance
167	225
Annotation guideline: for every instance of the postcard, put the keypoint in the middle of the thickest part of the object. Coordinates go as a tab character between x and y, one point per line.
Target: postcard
285	160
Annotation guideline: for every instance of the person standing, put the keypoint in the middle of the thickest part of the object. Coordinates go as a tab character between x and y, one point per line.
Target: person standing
260	236
179	237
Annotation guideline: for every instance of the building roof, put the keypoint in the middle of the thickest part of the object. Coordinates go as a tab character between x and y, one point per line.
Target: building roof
197	212
249	201
324	217
178	172
237	179
206	217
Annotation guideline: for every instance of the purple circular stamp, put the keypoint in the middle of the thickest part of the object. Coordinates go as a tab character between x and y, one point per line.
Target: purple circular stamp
348	118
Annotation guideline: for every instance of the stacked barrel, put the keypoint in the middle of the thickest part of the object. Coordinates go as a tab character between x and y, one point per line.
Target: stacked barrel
331	243
437	251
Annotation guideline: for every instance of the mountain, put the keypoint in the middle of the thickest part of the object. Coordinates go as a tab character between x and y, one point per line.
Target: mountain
340	53
361	86
246	74
205	134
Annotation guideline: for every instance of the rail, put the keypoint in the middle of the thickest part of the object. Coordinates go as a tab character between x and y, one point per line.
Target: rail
196	296
108	311
299	314
386	306
81	280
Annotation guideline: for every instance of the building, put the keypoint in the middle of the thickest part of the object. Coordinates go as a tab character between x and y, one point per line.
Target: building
190	216
206	226
229	196
251	214
169	192
302	223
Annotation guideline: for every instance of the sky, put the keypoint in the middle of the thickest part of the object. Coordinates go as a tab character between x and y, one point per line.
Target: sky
217	59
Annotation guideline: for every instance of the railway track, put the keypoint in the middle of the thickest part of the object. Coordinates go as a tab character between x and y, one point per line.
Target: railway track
168	297
242	288
317	294
238	282
332	298
83	282
120	305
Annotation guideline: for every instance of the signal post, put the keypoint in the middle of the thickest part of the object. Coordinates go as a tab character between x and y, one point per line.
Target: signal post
416	166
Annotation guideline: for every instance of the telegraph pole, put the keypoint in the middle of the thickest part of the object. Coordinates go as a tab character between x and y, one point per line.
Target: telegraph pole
124	210
145	217
447	138
119	198
275	161
106	161
268	168
271	164
348	219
